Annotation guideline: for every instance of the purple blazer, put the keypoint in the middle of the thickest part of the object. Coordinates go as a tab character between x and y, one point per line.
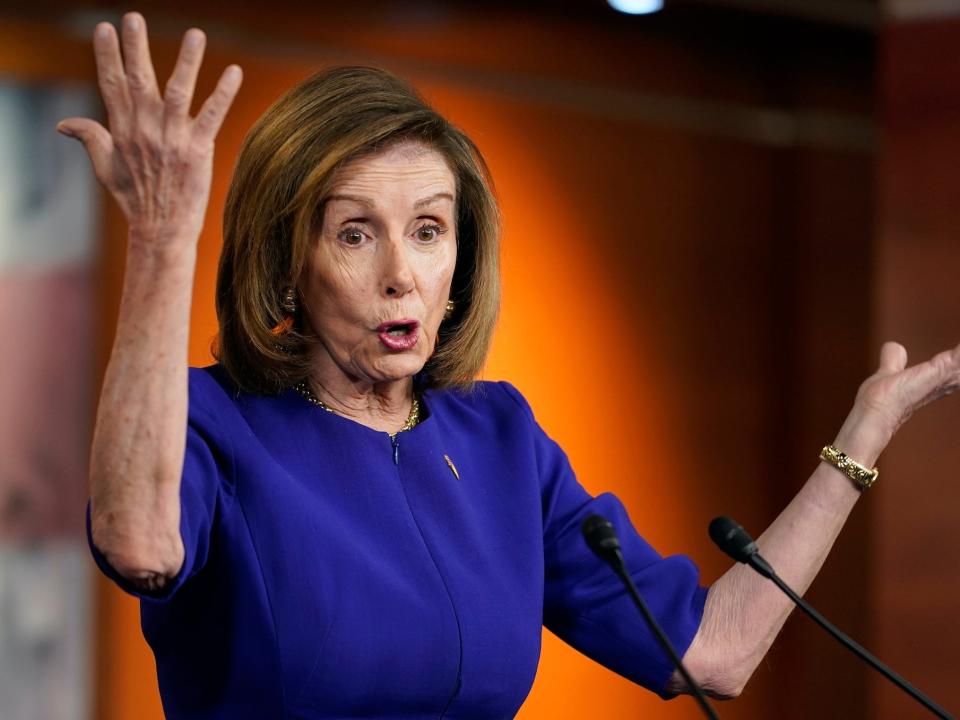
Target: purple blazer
332	573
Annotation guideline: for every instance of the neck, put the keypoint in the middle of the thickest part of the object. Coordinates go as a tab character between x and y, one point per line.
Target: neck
383	406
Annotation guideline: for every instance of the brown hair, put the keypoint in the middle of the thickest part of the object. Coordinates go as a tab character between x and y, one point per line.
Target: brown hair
284	173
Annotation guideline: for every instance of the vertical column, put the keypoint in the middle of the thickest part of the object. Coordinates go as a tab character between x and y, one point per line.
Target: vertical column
916	579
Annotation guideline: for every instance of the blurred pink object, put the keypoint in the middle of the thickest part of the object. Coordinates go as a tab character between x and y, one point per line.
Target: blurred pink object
46	322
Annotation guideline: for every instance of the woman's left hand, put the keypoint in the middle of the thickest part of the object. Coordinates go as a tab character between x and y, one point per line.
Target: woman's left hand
888	398
744	612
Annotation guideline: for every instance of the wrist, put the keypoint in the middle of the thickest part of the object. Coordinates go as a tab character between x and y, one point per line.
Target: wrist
172	248
863	437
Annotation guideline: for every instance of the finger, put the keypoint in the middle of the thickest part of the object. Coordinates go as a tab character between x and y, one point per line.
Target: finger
180	87
936	378
96	140
947	365
215	108
110	75
893	357
141	79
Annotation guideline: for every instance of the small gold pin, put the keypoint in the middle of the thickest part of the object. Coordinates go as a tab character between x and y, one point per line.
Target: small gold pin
453	468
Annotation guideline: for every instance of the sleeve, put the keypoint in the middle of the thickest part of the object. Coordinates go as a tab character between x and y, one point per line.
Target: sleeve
207	468
585	602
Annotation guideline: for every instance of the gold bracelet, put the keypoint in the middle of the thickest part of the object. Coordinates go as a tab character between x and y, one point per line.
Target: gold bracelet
861	476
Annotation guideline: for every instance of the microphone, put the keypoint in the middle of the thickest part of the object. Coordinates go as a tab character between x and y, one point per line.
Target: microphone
737	543
603	540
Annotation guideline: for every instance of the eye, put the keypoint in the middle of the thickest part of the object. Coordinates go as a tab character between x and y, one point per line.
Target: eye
351	236
429	233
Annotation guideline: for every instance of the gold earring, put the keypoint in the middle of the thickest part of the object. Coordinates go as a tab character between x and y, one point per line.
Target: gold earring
289	301
451	306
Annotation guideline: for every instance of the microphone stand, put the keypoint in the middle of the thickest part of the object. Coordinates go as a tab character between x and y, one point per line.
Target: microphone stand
734	541
600	536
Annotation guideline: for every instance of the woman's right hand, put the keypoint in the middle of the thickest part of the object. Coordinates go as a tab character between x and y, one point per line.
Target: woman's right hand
155	159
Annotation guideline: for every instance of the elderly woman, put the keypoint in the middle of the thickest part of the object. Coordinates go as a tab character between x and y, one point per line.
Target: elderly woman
335	520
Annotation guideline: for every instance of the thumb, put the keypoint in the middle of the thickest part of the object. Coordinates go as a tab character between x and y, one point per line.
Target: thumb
893	357
96	140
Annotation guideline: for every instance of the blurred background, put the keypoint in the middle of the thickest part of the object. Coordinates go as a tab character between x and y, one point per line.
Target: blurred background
738	199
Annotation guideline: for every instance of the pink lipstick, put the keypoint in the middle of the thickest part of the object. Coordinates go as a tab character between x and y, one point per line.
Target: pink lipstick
399	334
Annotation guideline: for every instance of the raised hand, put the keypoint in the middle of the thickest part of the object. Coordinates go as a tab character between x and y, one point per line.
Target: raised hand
888	398
744	611
155	159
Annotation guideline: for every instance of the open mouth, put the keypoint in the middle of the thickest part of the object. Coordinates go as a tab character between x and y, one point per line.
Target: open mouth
399	328
398	335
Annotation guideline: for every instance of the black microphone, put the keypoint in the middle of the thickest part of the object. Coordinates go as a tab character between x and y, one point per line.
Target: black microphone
735	542
602	539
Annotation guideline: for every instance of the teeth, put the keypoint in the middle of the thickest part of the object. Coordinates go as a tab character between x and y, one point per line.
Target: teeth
398	330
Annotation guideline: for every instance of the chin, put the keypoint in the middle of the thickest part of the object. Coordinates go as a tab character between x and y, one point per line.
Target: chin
399	366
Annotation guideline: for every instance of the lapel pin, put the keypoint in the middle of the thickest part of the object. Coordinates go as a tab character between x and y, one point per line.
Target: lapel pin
453	468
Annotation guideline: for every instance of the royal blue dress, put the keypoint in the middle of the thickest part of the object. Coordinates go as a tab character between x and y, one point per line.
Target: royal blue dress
331	573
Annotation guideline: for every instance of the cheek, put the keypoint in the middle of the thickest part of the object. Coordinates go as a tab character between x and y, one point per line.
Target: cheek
439	284
440	273
436	292
343	281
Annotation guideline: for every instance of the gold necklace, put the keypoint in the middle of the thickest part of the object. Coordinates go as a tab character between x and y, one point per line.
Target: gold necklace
412	419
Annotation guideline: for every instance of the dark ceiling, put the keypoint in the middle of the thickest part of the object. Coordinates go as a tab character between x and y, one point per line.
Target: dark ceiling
851	14
794	32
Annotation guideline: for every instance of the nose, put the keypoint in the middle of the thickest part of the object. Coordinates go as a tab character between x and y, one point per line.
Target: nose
396	273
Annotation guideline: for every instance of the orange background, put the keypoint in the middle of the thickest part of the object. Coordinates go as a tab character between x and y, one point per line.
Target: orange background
720	278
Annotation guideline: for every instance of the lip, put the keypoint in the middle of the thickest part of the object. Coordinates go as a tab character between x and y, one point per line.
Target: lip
399	343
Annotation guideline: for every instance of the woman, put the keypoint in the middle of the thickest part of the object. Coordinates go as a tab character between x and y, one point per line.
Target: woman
350	527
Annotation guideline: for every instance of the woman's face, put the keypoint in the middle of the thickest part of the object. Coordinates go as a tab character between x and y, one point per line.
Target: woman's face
378	276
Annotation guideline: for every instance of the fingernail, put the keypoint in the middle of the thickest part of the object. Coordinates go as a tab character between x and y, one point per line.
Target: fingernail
132	22
103	30
65	131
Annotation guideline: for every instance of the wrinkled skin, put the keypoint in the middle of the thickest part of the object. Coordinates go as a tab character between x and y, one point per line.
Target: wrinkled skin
386	251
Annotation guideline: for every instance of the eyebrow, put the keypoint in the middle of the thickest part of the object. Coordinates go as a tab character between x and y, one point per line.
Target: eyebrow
369	203
427	200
